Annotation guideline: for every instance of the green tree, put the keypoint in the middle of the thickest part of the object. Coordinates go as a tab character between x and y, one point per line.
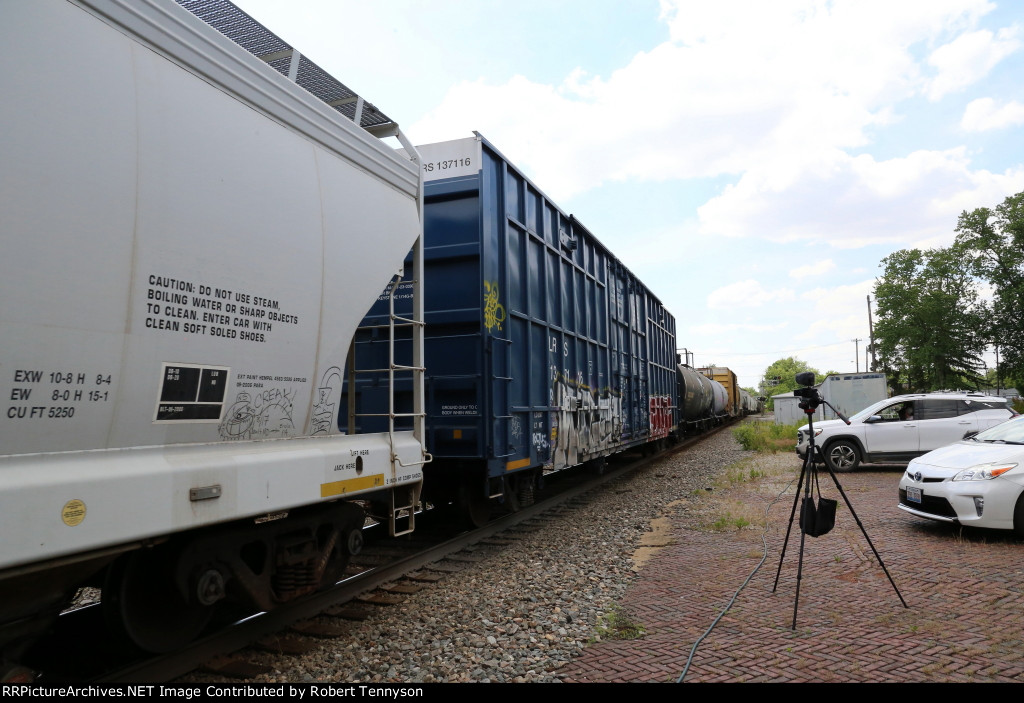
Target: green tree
932	323
994	244
785	370
997	377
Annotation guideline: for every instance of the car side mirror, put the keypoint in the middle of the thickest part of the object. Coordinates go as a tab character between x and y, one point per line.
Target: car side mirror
874	418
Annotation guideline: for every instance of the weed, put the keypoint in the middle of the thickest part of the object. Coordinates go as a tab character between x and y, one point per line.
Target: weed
728	521
739	473
766	436
616	625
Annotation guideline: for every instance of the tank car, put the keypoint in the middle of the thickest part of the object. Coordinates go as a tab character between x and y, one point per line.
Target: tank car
702	402
188	253
733	406
543	351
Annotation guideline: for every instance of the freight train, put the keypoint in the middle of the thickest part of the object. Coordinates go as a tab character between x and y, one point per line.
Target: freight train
219	353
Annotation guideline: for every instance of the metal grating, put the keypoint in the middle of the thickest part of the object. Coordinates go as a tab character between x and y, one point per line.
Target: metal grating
259	41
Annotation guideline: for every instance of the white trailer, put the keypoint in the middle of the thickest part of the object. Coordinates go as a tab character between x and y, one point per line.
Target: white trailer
190	242
788	411
851	393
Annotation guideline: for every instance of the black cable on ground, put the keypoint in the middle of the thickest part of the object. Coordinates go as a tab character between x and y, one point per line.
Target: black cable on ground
764	544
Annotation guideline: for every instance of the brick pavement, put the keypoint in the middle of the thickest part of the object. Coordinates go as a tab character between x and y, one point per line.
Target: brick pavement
963	587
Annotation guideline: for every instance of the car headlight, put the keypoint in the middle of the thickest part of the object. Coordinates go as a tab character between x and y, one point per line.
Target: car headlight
983	472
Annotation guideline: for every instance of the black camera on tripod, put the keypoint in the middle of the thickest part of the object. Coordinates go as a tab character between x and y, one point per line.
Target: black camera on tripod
819	518
810	398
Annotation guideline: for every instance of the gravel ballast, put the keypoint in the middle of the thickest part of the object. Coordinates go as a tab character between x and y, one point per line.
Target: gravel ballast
525	609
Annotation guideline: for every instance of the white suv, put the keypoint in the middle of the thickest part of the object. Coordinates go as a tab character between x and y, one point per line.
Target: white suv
903	427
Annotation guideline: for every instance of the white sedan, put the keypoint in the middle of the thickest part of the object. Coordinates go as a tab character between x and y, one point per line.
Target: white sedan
977	482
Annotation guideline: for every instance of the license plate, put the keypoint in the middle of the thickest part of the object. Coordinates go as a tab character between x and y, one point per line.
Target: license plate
913	494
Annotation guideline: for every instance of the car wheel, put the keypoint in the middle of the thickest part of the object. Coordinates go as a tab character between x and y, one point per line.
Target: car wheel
1018	517
842	456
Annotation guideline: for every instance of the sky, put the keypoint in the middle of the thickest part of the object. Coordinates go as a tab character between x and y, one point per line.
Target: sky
752	162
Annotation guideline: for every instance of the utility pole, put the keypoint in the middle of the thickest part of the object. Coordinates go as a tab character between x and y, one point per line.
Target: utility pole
871	345
997	371
856	352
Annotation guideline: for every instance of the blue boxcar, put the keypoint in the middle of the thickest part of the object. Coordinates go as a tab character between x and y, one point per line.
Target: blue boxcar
542	350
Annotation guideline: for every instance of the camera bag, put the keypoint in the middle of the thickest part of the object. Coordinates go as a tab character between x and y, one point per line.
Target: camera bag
817	520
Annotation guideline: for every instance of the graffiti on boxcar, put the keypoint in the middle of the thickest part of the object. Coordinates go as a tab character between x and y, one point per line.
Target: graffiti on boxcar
515	428
539	438
660	407
494	312
629	409
583	423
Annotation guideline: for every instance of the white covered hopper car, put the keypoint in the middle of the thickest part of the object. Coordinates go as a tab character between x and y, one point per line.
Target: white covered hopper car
190	239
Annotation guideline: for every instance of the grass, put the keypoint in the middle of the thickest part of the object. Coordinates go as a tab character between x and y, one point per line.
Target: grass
751	470
766	436
727	520
738	473
736	514
616	625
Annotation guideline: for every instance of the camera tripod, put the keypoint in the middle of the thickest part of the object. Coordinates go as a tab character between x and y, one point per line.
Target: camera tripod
809	479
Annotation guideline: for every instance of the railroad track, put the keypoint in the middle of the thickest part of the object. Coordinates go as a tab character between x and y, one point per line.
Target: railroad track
384	574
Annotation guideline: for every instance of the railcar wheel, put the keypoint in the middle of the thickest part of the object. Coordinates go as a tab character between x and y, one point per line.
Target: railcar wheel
511	487
527	490
355	541
141	603
342	544
843	456
474	505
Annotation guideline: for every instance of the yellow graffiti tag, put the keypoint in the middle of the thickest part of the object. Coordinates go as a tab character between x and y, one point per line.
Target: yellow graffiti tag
494	312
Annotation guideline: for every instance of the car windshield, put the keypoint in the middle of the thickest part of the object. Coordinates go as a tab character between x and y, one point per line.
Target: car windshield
870	410
1009	432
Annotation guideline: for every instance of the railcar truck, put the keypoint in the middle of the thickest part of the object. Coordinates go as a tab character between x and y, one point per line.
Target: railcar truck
193	228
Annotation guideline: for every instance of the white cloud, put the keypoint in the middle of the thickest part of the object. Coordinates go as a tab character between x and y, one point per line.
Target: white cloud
818	268
842	297
825	75
746	294
838	312
852	201
984	114
968	58
716	329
